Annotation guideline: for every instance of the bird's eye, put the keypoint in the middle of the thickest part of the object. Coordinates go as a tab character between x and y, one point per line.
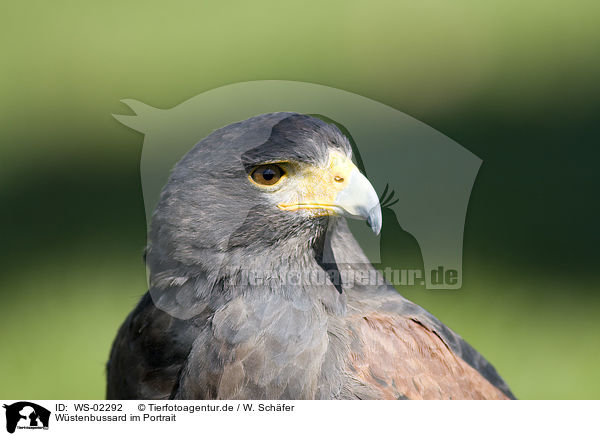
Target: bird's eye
267	174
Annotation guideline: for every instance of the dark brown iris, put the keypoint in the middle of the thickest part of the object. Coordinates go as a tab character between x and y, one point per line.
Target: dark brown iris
267	174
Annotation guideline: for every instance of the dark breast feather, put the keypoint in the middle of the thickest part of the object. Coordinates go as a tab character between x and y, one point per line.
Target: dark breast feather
148	353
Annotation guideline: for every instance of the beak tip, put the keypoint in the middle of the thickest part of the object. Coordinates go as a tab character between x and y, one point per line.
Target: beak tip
374	220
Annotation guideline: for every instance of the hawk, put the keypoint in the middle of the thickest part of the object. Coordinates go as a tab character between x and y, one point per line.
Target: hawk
258	290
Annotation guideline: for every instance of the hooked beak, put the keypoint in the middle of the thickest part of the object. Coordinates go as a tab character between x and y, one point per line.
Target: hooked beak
340	188
359	200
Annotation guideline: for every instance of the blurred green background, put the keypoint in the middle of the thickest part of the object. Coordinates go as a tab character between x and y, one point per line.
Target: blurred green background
514	82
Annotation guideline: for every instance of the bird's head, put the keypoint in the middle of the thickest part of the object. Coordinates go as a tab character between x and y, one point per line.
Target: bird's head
269	184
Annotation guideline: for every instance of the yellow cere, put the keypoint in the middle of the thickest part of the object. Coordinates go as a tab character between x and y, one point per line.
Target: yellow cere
317	187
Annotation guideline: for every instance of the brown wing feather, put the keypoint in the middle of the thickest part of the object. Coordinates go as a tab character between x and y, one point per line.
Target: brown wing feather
398	357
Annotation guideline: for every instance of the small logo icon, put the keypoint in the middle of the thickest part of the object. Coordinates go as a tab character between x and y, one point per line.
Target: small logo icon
26	415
